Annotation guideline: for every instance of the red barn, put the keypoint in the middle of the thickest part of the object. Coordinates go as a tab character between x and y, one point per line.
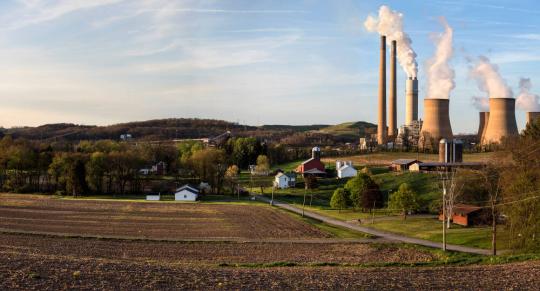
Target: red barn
313	166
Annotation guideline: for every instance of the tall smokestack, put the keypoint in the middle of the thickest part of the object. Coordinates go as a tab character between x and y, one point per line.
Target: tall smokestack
532	117
484	118
436	120
502	120
392	117
381	126
411	100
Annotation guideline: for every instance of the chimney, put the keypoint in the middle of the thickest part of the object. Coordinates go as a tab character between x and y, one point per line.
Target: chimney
392	116
436	120
484	118
532	117
502	120
411	100
381	125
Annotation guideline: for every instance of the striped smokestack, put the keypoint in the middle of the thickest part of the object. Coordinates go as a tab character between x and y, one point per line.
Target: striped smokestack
381	125
392	116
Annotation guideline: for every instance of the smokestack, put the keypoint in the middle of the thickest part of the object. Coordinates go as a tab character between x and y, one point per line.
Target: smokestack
437	119
411	100
484	118
392	117
381	126
532	117
502	120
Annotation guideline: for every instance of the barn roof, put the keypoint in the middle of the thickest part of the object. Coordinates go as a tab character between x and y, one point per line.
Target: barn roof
188	188
405	161
465	208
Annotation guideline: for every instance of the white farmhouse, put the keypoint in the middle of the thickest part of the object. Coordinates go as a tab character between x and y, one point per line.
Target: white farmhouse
186	193
283	181
345	169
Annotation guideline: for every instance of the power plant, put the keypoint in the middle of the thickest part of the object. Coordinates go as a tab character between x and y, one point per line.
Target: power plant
411	100
436	119
502	120
381	126
484	118
392	117
532	117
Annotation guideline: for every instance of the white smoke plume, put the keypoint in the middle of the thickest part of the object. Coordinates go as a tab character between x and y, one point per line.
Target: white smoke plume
390	24
481	103
440	76
526	100
489	79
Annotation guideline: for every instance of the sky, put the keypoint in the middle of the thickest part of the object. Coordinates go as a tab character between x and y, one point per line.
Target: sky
252	61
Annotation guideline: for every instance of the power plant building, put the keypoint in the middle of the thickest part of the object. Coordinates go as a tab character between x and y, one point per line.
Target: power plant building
502	120
532	117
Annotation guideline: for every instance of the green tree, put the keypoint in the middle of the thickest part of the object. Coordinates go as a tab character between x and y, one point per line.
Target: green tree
231	176
364	192
263	164
404	199
209	165
339	199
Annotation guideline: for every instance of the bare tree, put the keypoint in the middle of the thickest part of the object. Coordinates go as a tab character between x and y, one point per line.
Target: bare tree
452	189
492	181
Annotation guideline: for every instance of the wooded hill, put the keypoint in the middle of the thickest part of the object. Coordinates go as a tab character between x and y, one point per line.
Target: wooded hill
182	128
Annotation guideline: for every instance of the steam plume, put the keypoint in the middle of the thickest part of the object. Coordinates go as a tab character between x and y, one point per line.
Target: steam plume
526	100
489	79
390	23
440	75
481	103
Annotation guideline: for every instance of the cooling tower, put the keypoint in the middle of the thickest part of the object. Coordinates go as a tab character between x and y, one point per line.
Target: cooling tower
532	116
392	115
411	100
502	120
381	125
484	118
436	119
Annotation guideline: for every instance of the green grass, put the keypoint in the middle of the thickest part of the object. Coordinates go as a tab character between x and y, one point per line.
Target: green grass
431	229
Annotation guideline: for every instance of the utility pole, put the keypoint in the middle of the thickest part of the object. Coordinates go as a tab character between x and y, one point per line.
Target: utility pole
304	204
443	180
272	201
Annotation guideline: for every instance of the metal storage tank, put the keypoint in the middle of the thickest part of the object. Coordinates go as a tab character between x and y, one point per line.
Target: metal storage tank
502	120
437	119
444	151
532	116
457	151
411	100
484	118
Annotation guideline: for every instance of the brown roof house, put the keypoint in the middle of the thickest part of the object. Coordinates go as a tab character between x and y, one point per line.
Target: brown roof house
469	215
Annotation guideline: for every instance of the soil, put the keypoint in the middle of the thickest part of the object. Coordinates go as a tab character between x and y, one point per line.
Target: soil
149	220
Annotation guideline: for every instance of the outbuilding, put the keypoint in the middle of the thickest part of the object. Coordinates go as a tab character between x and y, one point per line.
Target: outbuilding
186	193
469	215
345	169
285	180
313	166
400	165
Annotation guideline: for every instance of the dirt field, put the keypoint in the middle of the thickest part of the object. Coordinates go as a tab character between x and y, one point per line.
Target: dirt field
48	263
149	220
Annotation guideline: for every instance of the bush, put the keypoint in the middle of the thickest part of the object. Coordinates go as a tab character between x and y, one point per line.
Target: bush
339	200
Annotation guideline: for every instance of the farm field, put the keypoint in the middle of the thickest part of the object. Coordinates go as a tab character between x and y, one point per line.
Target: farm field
43	263
33	213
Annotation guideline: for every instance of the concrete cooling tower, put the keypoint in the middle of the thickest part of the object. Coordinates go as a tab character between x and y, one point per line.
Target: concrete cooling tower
436	120
502	120
532	116
484	118
411	100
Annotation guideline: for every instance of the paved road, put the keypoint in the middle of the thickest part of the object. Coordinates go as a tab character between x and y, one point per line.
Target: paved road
375	232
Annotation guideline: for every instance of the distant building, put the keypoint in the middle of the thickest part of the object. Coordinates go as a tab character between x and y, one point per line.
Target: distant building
345	169
153	197
438	166
468	215
186	193
285	180
159	168
313	166
400	165
126	136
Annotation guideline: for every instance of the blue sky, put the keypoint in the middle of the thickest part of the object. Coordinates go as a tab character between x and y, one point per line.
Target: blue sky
255	62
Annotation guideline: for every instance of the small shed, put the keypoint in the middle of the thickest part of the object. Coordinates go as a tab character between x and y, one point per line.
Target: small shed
401	165
285	180
186	193
469	215
153	197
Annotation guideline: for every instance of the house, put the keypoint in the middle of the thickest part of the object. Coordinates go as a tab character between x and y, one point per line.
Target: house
401	165
283	180
186	193
159	168
153	197
126	137
345	169
468	215
313	166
